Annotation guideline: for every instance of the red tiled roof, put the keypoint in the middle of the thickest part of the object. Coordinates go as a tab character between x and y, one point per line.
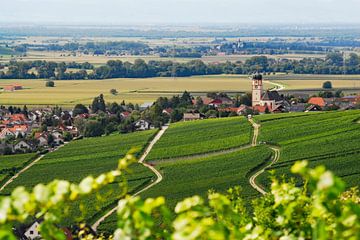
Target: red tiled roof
260	109
317	101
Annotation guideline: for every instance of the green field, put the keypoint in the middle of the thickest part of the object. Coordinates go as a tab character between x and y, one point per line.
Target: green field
92	156
331	139
67	93
185	178
10	164
189	138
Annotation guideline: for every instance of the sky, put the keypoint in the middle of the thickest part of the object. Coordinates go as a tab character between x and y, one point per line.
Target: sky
124	12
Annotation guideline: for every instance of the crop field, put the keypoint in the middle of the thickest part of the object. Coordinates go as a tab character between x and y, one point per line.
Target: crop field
92	156
185	178
331	139
196	137
10	164
136	90
67	93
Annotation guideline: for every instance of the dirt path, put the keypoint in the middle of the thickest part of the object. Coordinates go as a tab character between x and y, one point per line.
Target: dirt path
25	169
159	177
20	172
275	158
278	86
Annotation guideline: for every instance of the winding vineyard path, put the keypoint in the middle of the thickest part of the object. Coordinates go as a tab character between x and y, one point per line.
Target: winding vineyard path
275	158
25	169
159	177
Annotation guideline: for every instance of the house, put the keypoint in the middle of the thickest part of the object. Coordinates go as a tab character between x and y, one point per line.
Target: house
23	146
13	87
205	100
313	108
192	116
6	133
142	125
317	101
215	103
42	139
33	231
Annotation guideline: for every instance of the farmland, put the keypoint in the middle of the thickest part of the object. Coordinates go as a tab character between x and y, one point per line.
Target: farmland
10	164
188	177
91	156
67	93
331	139
189	138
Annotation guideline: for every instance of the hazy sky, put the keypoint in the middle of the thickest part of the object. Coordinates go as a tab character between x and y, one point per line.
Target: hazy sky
180	11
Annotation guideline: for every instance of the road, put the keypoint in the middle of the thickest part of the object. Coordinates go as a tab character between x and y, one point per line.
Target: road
159	177
275	158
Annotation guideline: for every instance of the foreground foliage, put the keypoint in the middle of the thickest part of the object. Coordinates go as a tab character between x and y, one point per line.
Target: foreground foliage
319	210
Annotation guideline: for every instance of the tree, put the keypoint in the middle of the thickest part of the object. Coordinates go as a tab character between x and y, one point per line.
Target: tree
50	84
93	129
79	109
327	85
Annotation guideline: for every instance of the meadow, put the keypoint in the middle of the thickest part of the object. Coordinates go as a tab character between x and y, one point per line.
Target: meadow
92	156
331	139
67	93
197	137
10	164
185	178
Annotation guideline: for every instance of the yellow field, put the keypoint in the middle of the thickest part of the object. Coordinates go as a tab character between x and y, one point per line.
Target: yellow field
70	92
139	90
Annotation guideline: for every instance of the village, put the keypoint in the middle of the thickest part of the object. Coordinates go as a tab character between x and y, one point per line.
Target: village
43	129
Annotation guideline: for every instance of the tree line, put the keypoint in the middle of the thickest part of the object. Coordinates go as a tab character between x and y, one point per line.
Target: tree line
333	63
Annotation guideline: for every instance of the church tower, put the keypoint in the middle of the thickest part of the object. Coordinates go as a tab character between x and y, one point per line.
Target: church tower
257	89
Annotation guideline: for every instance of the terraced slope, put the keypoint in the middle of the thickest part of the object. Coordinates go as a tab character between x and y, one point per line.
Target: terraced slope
197	137
331	139
184	178
91	156
11	164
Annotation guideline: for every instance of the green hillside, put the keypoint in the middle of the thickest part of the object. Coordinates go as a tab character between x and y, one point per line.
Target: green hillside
185	178
92	156
331	139
190	138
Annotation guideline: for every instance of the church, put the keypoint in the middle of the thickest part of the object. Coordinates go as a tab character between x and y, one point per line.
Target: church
269	99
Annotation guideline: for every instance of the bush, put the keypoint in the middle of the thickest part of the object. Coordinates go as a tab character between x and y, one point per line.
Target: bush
50	84
319	210
327	85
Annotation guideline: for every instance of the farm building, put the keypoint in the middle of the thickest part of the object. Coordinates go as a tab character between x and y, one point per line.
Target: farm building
192	116
13	87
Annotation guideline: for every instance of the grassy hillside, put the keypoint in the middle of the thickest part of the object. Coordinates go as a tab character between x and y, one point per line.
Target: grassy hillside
11	164
331	139
184	178
189	138
92	156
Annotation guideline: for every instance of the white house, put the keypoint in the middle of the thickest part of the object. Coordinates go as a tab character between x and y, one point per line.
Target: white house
142	125
22	146
33	231
6	133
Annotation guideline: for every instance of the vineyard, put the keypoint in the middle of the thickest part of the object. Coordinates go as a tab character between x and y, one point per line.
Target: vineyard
190	138
331	139
185	178
82	158
11	164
